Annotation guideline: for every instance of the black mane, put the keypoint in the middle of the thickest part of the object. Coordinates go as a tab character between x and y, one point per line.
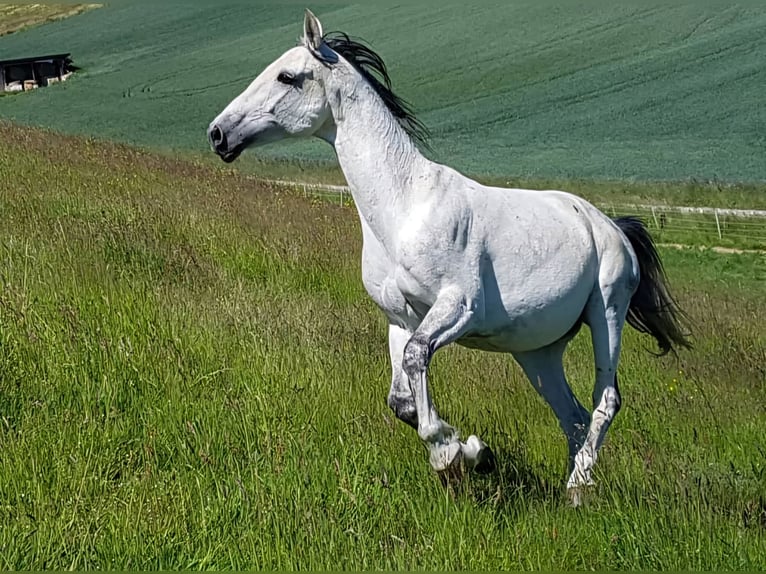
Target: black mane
371	66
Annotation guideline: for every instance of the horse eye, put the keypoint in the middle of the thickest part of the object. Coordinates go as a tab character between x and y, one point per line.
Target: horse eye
286	78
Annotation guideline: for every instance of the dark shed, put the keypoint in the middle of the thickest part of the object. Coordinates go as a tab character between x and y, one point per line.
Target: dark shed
26	73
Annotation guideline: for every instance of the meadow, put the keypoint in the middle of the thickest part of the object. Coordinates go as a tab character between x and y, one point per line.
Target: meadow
531	89
191	376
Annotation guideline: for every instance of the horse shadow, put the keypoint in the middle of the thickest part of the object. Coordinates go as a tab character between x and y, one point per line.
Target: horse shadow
513	482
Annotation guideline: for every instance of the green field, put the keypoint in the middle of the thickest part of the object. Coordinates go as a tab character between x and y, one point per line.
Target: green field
586	89
191	376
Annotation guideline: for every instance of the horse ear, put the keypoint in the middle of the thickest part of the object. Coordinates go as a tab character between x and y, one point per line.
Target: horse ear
313	40
312	32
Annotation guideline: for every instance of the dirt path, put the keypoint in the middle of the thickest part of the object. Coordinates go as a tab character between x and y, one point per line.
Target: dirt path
717	249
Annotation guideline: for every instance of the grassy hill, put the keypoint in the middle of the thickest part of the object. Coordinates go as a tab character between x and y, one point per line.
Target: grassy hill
594	89
192	377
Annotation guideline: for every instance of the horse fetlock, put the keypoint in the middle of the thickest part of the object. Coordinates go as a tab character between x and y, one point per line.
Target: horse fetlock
404	408
581	473
436	433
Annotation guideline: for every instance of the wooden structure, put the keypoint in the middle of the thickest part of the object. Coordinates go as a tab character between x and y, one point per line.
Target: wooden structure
28	73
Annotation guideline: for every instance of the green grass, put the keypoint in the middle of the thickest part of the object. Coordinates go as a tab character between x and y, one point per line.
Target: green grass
191	376
587	89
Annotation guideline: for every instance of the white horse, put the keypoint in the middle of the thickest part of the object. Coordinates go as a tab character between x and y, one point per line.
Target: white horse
450	260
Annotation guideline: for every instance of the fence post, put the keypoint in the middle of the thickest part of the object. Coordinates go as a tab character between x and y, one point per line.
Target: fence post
718	224
654	216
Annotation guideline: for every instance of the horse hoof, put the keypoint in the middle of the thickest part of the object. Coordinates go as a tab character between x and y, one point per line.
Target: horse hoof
445	456
478	455
578	495
447	461
485	463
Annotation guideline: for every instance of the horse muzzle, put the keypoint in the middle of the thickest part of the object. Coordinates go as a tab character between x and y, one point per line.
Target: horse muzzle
220	144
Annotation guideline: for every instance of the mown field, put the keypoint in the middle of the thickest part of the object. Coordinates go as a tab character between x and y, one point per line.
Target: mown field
585	89
19	17
191	376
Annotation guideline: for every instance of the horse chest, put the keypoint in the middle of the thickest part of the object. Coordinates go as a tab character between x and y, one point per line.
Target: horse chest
401	306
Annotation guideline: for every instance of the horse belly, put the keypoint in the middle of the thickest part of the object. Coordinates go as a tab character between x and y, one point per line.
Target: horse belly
524	332
515	322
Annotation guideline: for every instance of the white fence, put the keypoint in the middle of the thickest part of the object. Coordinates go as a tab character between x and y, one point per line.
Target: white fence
688	225
732	226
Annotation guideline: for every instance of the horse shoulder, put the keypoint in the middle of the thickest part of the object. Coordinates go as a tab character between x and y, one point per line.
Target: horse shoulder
436	234
379	280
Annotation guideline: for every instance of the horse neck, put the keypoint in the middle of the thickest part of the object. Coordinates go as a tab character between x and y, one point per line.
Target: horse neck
377	156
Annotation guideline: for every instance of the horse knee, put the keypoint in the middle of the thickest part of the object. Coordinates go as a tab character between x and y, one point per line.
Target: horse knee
416	356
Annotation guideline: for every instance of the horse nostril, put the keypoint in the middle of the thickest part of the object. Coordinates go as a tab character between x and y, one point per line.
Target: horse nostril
217	138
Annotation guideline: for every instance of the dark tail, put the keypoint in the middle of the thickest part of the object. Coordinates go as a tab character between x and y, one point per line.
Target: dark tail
652	309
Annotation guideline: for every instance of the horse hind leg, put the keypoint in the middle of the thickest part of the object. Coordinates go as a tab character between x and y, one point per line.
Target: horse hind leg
605	314
545	370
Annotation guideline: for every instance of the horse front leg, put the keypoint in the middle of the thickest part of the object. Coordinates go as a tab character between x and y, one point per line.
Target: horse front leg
448	319
400	397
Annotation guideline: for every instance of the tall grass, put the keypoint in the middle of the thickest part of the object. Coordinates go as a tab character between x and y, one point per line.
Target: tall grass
191	376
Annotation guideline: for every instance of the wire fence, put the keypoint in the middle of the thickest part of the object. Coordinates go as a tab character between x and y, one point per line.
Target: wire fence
693	226
700	226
